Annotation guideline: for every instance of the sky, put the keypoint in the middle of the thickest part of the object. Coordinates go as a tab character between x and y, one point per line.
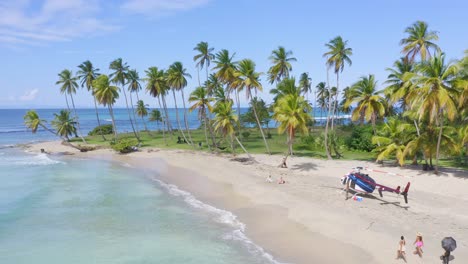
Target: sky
40	38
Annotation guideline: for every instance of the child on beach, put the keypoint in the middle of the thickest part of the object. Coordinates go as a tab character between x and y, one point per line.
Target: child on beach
401	252
281	181
269	179
419	244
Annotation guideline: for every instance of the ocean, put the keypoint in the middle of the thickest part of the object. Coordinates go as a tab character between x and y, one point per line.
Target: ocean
60	209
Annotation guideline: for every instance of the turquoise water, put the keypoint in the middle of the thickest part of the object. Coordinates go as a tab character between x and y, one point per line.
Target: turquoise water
62	210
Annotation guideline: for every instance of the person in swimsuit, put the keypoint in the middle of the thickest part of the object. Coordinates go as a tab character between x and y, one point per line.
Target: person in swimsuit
419	244
281	181
401	252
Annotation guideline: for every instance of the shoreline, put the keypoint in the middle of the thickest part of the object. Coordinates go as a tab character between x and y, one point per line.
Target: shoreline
307	220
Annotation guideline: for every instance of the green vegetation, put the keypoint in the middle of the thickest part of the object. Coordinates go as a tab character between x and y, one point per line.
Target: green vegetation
101	130
125	145
420	115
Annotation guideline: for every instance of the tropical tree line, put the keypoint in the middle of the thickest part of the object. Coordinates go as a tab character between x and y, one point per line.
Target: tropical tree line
421	110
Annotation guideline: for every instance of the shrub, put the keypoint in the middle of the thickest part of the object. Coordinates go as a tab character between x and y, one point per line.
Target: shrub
360	139
268	135
106	130
245	134
125	145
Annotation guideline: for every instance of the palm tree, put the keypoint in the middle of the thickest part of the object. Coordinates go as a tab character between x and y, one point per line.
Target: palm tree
203	58
176	79
337	55
292	113
68	86
142	111
134	86
370	105
419	41
249	80
33	122
399	87
212	84
285	87
305	84
392	140
119	76
202	102
155	116
64	124
322	96
434	95
156	86
281	60
106	95
88	74
226	72
224	122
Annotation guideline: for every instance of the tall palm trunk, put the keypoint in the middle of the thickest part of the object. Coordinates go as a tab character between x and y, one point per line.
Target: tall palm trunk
111	112
439	139
290	140
98	120
129	115
259	125
238	111
211	131
66	101
243	148
168	121
177	117
163	126
77	120
134	115
328	118
419	134
206	134
185	118
335	100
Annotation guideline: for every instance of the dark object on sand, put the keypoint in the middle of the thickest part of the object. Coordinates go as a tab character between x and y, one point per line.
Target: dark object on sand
42	150
449	244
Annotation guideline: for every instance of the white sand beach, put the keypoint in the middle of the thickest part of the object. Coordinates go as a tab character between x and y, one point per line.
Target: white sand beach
308	220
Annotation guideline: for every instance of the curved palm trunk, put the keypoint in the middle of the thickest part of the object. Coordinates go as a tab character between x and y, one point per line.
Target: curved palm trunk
211	132
243	148
439	139
168	121
206	134
134	114
335	101
177	117
77	120
232	145
142	118
185	118
98	120
328	120
238	111
163	126
129	115
66	101
111	112
259	125
290	140
419	134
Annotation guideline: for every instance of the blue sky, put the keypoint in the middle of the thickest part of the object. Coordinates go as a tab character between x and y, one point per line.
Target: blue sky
38	39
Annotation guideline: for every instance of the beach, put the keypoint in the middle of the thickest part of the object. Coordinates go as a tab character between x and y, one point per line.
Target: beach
308	220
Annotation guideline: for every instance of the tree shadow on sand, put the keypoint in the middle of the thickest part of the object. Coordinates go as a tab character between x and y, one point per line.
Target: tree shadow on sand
305	166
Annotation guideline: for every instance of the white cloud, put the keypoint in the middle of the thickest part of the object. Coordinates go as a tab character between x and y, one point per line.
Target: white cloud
29	95
33	22
152	7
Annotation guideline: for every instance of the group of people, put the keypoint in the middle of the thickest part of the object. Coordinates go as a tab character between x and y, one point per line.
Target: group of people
280	180
418	243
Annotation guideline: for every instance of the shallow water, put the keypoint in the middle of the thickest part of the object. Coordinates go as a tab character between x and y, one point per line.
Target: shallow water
63	210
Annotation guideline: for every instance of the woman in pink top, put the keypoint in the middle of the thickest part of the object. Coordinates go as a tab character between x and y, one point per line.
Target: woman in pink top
419	244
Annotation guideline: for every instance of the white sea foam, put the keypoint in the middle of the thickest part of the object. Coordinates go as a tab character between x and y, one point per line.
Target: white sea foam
36	160
221	216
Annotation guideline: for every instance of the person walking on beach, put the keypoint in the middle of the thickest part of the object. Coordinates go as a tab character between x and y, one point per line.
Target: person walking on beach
401	252
419	244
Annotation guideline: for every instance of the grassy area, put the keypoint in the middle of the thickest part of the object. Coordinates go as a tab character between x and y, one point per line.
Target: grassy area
253	143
